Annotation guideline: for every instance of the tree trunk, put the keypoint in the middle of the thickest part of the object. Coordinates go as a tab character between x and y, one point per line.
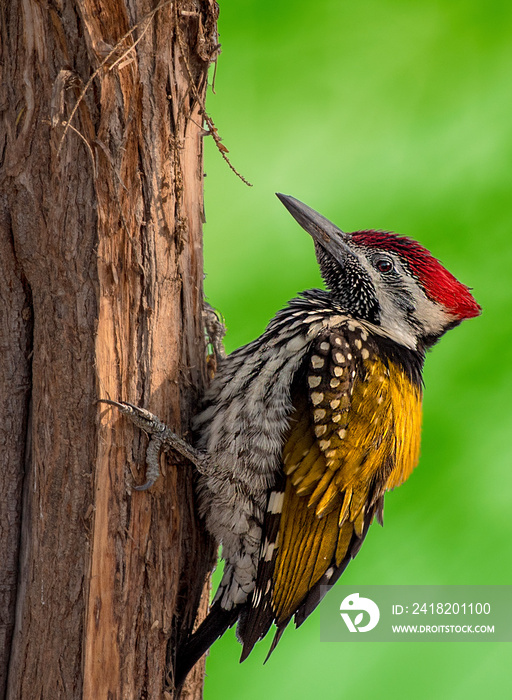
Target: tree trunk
101	296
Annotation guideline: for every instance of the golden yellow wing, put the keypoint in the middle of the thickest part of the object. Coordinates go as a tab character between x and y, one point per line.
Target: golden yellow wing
354	433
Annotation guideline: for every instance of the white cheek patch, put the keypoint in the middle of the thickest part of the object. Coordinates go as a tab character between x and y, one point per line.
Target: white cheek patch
394	324
432	317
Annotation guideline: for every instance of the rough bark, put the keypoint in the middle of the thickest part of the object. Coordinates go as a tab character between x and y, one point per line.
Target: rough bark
101	296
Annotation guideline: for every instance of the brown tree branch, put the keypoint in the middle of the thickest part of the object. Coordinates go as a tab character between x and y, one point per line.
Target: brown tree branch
101	255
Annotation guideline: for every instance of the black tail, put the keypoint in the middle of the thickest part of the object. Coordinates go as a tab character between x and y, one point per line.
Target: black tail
211	628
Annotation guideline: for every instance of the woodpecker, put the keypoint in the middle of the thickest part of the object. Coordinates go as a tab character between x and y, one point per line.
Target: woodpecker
303	430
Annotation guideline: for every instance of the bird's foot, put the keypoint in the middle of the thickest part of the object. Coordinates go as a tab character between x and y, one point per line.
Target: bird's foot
161	437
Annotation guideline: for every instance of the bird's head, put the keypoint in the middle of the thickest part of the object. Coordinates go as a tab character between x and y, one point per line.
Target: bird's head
386	280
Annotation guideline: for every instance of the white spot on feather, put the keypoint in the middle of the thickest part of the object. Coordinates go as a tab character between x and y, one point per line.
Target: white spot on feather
317	362
268	550
275	502
317	397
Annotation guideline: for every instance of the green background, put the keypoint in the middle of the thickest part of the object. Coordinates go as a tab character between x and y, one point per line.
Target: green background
393	115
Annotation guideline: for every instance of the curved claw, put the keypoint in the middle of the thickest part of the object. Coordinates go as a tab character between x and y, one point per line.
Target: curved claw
119	404
145	487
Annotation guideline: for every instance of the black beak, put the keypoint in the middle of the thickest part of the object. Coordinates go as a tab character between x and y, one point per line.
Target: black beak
322	231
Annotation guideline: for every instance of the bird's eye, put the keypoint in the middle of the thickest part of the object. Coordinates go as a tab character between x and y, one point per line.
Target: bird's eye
383	264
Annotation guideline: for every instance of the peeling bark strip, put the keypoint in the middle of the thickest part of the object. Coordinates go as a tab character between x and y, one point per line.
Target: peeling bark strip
101	295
